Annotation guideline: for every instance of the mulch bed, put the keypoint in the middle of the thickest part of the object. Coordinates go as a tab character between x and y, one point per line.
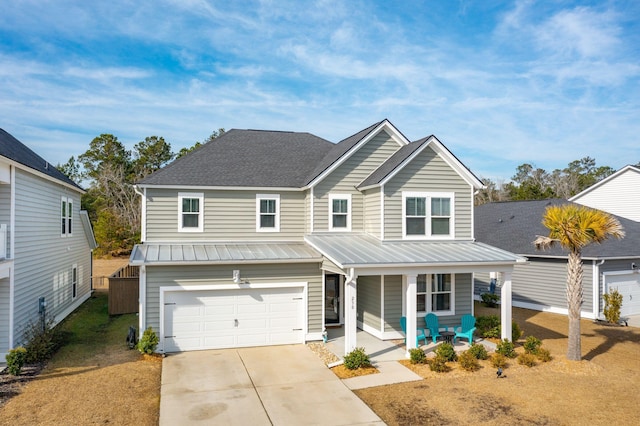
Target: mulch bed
10	385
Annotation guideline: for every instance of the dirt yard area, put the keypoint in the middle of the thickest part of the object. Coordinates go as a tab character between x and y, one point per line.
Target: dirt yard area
601	389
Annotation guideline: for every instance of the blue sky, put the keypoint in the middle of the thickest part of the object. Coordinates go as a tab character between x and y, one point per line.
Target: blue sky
499	83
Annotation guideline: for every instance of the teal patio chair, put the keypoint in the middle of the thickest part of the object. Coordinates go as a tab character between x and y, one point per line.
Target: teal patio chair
433	325
467	328
419	333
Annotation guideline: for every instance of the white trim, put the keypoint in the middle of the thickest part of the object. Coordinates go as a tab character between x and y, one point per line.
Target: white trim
142	299
576	197
595	285
381	212
12	243
44	176
68	216
276	198
428	196
143	228
337	196
191	195
74	267
324	299
242	286
551	309
76	304
382	303
312	215
429	294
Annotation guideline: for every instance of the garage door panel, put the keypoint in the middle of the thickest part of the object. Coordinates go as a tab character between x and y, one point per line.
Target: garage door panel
628	285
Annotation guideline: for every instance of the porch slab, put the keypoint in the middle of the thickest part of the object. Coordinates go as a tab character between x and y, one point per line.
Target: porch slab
390	372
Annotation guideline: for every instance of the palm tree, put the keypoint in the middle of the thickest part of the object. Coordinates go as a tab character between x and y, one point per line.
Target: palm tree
573	227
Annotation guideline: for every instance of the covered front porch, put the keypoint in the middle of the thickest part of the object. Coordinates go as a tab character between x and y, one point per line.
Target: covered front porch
385	281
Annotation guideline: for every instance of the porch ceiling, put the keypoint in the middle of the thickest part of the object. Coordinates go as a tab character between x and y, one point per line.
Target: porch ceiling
364	251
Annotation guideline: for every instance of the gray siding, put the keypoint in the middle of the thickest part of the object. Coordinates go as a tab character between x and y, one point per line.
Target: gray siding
43	258
392	302
164	276
612	266
4	315
428	172
372	212
228	216
5	212
344	179
464	301
369	301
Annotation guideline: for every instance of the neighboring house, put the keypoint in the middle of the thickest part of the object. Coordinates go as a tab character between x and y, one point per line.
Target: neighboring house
267	237
540	284
45	242
618	194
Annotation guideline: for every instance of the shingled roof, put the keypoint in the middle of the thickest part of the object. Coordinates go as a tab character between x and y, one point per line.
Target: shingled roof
514	225
15	150
251	158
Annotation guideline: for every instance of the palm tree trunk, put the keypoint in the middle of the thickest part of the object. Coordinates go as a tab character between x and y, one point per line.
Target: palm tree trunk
574	303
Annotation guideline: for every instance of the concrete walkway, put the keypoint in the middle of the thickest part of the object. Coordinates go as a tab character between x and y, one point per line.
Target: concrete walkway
277	385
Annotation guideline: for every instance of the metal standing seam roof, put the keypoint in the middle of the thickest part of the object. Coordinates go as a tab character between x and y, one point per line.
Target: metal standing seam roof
221	253
362	250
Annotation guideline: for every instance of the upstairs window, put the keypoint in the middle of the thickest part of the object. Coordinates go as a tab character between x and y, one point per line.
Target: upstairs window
427	215
190	214
267	212
66	215
340	212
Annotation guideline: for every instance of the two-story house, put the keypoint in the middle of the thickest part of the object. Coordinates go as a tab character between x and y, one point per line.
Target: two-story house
45	243
266	237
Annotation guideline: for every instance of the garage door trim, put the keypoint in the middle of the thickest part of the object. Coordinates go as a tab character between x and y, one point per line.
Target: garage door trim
208	287
606	283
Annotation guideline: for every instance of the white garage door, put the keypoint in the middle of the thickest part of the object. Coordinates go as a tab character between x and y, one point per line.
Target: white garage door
629	287
216	319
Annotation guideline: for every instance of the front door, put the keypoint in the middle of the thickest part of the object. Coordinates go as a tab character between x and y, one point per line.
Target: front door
332	299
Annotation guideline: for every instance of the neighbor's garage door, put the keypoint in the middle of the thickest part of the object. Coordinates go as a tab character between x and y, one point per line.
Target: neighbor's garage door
216	319
629	286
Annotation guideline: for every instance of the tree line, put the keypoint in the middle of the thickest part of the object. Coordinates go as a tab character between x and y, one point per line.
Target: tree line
110	170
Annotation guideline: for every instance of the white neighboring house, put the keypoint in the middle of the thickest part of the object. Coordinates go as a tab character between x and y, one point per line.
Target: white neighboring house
46	242
618	194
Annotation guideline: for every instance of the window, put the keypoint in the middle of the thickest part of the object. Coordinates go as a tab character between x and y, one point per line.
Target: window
435	293
74	281
340	212
267	212
427	215
66	215
190	214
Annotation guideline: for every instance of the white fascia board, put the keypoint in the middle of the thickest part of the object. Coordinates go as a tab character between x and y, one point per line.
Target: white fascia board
603	181
221	188
385	125
43	176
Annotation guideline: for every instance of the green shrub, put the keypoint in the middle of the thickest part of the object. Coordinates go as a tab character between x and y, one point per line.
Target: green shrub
417	356
488	326
516	332
498	360
446	351
478	351
612	306
438	364
15	360
148	342
468	361
357	358
532	345
527	359
42	340
544	355
490	300
506	348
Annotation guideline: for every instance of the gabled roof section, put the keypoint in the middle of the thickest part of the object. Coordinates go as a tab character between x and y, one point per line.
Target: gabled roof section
407	153
247	158
345	148
623	170
14	150
514	225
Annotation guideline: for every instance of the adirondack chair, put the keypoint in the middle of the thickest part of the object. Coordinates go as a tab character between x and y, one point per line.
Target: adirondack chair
433	325
419	332
467	328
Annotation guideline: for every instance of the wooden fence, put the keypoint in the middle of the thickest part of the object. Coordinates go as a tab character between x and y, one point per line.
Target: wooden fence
124	287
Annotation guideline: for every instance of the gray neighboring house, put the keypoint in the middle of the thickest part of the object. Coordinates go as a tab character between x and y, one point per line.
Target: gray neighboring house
268	237
45	242
540	283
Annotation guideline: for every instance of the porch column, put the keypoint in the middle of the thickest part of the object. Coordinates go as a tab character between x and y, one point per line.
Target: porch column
505	306
350	312
411	313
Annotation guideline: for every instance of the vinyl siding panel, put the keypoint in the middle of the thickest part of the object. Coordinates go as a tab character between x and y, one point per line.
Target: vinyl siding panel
43	258
344	179
392	302
369	301
165	276
228	216
4	315
620	196
372	212
428	172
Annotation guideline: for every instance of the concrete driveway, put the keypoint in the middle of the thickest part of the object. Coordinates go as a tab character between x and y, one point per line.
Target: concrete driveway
277	385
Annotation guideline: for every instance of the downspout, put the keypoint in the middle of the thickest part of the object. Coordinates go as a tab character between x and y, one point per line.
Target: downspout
596	288
143	218
12	248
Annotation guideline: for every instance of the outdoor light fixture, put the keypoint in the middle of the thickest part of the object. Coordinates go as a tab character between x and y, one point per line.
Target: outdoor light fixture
236	276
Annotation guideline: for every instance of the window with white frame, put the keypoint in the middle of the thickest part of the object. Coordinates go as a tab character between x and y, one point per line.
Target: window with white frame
267	212
435	293
190	212
340	212
74	281
66	215
427	215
